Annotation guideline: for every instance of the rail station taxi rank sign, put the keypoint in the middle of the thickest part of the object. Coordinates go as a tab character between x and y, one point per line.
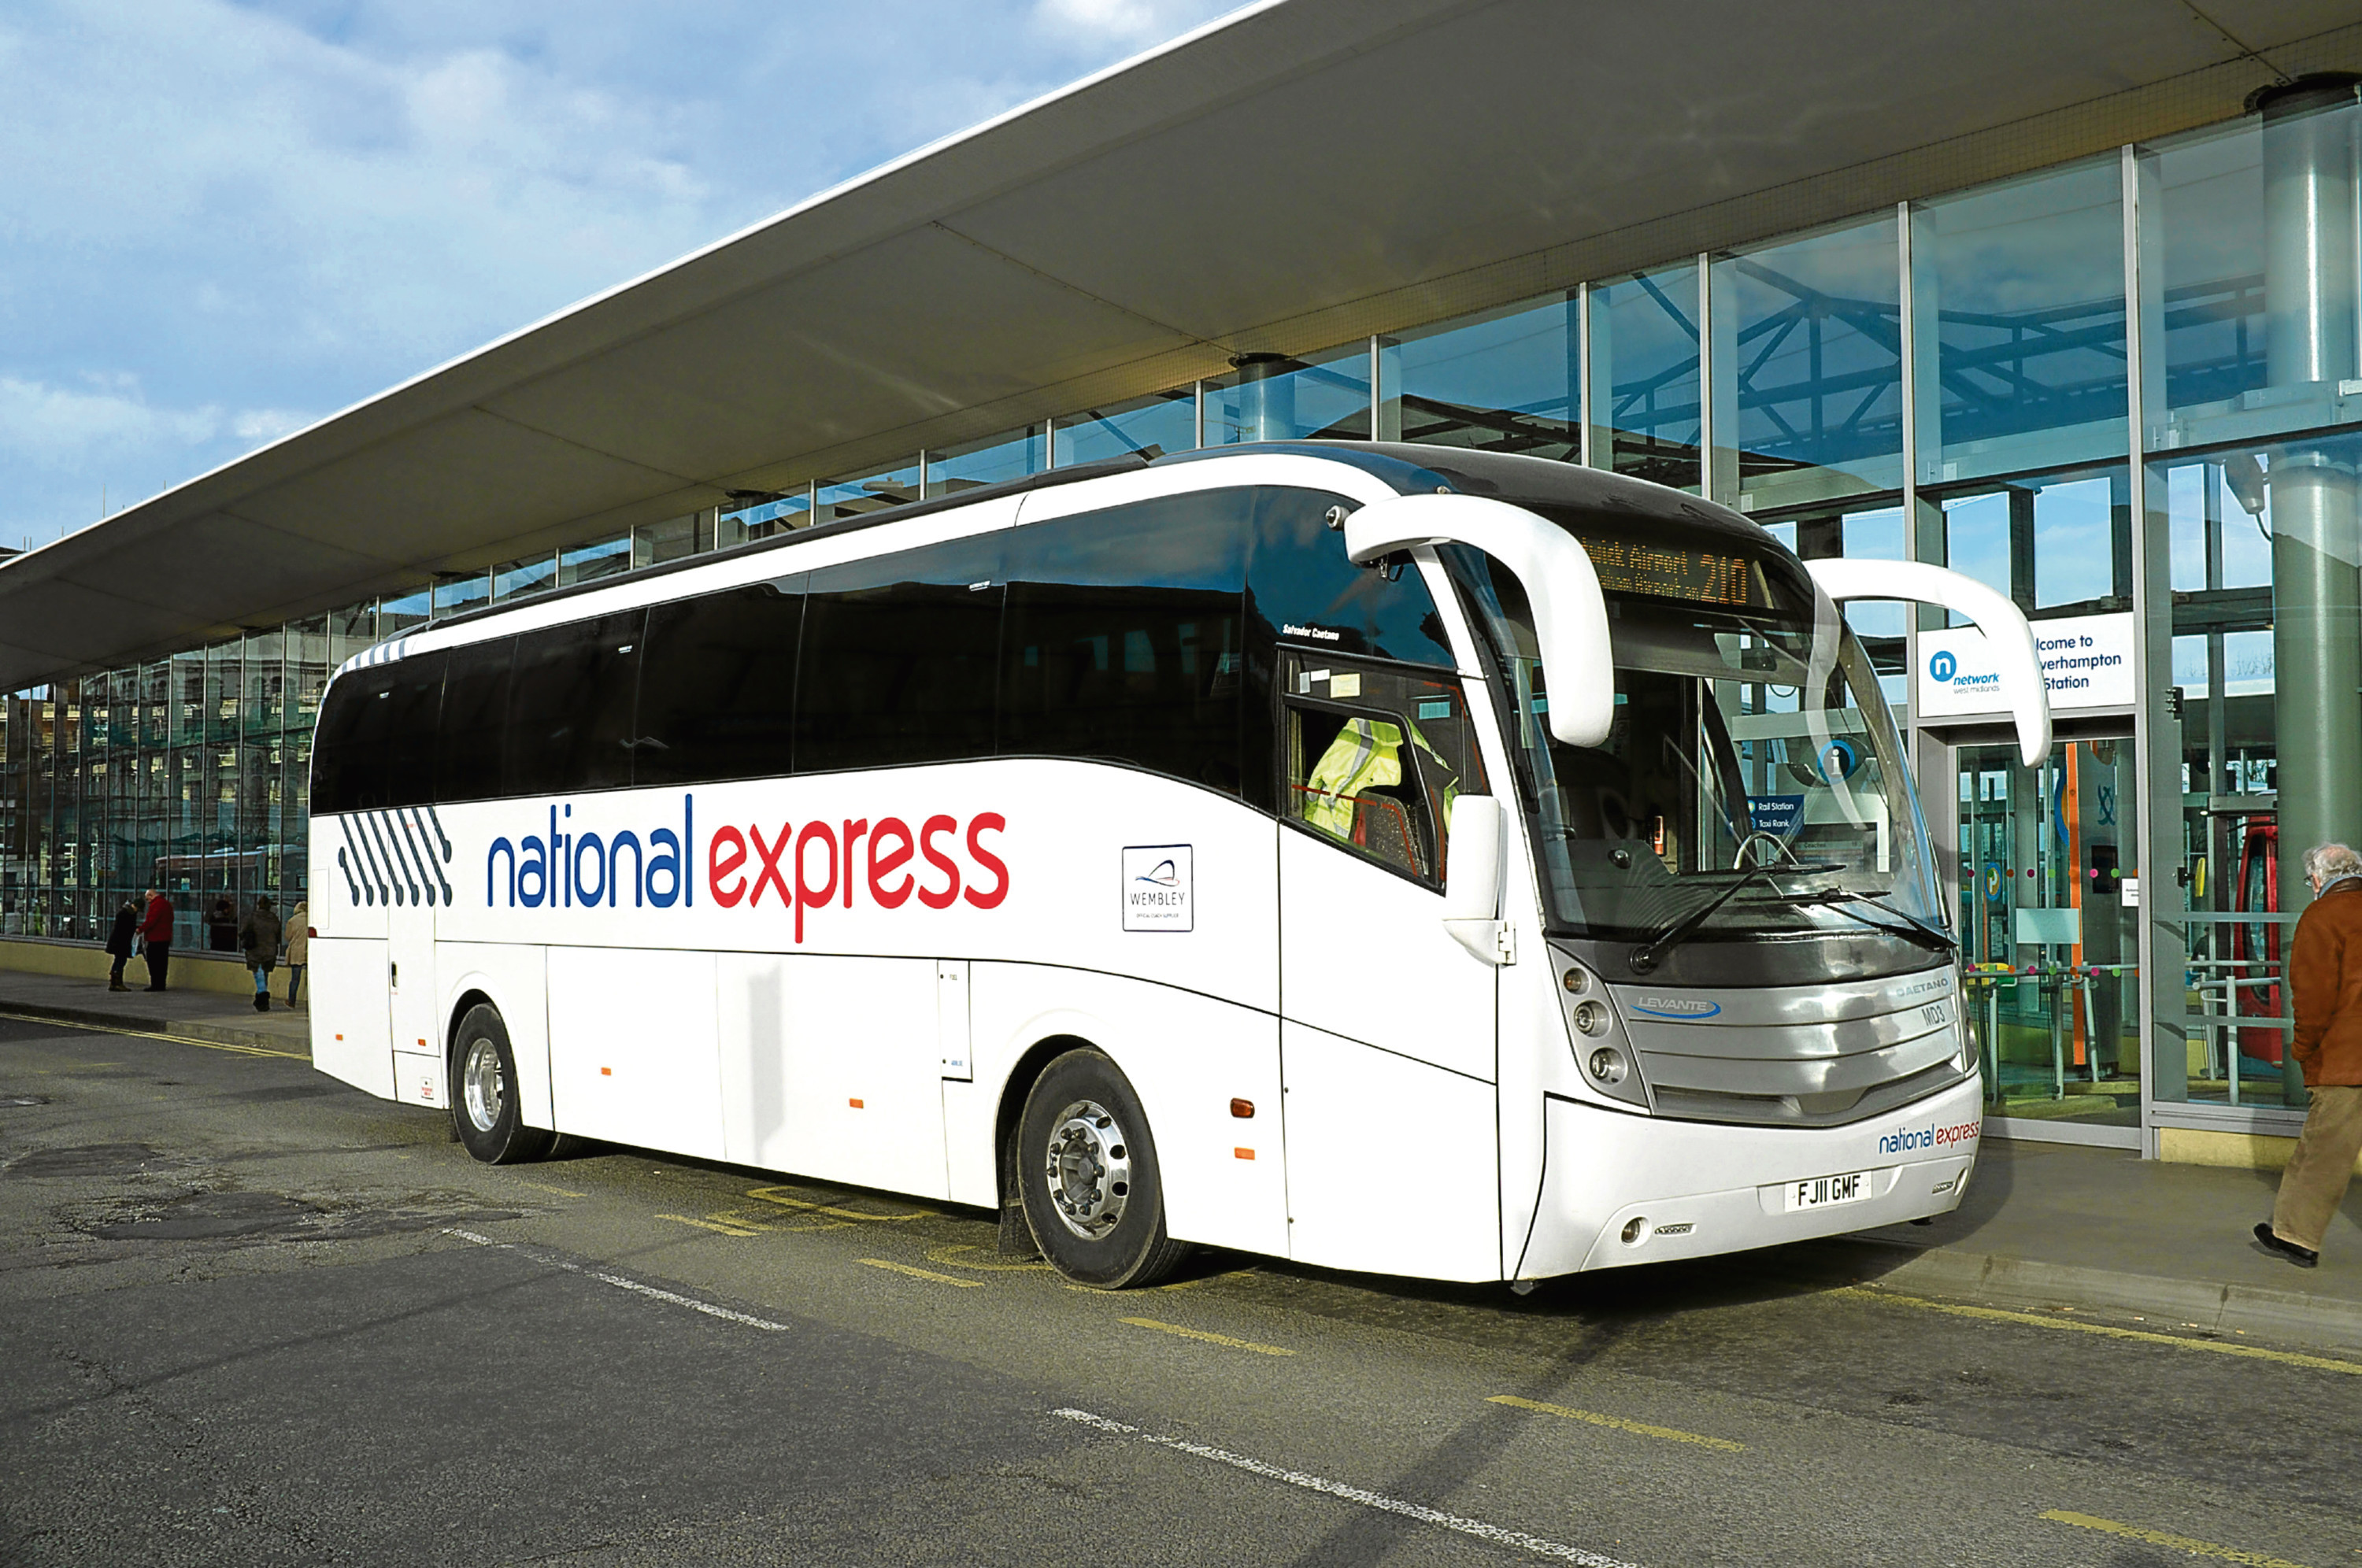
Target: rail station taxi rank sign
2087	662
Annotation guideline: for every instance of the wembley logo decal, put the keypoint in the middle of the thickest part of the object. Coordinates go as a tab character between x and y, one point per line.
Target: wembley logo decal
1157	888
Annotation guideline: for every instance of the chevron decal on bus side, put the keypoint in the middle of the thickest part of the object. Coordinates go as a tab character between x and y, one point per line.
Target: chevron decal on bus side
395	856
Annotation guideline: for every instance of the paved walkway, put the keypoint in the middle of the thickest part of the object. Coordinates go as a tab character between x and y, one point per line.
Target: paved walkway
2055	1225
2046	1226
198	1015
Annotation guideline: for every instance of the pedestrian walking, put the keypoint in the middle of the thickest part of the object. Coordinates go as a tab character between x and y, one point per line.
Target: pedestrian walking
156	937
299	947
221	926
257	938
2325	976
125	931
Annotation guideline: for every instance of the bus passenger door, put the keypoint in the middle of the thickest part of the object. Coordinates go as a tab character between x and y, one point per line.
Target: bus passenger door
1388	1037
1374	756
420	853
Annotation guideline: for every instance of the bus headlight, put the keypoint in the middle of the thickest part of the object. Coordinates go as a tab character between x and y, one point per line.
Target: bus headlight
1608	1065
1591	1017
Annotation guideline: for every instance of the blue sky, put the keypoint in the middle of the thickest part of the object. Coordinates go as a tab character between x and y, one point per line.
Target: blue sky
223	221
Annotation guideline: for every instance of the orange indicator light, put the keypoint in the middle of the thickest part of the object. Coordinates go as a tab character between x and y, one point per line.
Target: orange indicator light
1243	1154
854	1103
1242	1109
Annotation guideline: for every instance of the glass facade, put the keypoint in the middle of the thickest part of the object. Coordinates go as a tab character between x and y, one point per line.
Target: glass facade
2127	391
1647	418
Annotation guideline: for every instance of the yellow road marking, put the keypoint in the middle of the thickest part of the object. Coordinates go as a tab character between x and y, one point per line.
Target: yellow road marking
943	1255
1671	1434
151	1034
923	1274
1210	1339
539	1186
774	1195
709	1225
1204	1279
2143	1336
2175	1542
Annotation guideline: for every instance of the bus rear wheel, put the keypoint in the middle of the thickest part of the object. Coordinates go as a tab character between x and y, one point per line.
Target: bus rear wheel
1087	1177
484	1109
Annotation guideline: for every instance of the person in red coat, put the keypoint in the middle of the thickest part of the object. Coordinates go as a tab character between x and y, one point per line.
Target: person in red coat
156	930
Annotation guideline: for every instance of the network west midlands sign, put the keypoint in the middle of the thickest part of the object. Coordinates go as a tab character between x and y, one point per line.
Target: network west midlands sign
2087	662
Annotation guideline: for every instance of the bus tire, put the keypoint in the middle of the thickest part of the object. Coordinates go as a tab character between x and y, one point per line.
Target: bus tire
484	1109
1087	1177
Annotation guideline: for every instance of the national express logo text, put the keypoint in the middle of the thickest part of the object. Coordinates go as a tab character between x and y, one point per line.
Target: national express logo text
797	869
1908	1140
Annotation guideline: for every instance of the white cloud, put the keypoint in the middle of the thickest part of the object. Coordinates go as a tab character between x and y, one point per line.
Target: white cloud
1135	21
221	211
51	426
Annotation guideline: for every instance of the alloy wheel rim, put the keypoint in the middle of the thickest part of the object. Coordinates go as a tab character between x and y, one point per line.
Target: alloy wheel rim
480	1085
1089	1164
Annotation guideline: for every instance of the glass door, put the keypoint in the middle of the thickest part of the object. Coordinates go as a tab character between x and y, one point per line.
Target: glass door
2048	897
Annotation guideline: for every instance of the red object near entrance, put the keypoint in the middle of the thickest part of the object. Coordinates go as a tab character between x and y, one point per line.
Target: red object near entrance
2256	945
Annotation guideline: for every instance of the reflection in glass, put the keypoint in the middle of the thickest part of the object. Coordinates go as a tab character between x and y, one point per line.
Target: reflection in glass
1012	455
651	543
1643	398
457	595
2049	933
2267	655
2056	544
1810	345
522	578
759	515
1872	534
2020	288
840	498
605	557
1504	382
1147	426
1270	397
2251	227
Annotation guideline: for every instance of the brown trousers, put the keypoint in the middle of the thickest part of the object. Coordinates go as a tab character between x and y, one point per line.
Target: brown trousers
2314	1183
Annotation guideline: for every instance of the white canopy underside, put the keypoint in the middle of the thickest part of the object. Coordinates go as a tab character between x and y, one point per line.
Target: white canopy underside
1285	180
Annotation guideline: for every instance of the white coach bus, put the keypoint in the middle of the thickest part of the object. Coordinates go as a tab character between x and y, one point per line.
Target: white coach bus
1184	852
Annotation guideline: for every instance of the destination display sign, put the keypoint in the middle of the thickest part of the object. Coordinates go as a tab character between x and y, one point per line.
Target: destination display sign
1658	570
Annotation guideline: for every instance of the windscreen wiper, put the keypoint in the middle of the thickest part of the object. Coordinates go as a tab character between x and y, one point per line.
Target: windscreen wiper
1644	957
1917	930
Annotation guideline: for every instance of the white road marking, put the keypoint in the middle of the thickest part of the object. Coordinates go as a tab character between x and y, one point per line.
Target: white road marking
1368	1499
634	1286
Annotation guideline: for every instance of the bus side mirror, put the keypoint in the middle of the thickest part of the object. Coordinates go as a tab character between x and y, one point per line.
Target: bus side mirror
2005	626
1471	887
1570	615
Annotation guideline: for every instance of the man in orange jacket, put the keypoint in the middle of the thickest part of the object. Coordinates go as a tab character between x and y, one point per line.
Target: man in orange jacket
2325	974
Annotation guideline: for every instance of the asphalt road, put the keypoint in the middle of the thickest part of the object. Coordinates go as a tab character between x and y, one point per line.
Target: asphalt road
249	1316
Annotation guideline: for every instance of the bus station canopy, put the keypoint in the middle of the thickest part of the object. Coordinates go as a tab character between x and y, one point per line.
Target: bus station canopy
1289	179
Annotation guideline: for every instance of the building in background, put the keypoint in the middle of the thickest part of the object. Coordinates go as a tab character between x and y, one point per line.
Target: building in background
2074	306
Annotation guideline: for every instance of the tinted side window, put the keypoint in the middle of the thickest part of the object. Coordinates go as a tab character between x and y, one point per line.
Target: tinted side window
717	686
1305	591
1124	634
897	654
475	719
375	745
571	695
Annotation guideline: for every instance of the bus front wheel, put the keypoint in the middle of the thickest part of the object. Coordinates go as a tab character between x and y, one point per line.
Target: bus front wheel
484	1092
1087	1177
